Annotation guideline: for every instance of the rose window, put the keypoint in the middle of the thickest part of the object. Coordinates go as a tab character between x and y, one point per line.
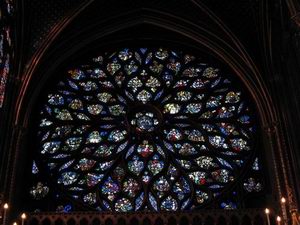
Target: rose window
144	129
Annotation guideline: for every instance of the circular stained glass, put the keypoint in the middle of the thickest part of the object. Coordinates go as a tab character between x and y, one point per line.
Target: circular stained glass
145	129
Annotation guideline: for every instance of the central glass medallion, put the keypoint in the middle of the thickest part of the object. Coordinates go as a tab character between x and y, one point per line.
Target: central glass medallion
144	121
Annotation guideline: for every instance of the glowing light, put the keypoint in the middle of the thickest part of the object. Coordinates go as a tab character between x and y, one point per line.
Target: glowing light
5	206
278	218
267	211
23	216
283	200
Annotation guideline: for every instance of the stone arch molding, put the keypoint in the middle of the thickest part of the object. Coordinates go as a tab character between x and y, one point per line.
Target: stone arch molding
226	47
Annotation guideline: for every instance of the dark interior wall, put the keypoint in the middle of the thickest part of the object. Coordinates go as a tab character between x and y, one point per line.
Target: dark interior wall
284	62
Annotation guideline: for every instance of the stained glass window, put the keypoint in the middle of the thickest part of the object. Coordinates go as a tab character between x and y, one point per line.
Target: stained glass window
6	13
145	129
